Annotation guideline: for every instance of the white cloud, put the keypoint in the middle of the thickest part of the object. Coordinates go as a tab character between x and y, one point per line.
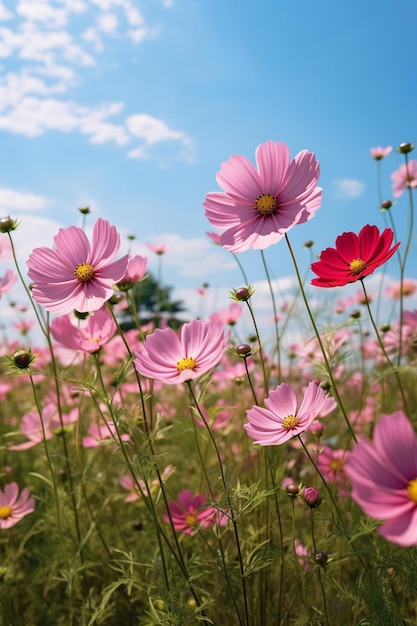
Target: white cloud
4	13
108	22
12	200
152	131
348	188
45	56
194	257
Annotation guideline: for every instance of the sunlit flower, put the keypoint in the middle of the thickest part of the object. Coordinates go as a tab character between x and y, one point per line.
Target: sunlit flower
259	205
354	257
379	152
177	357
14	506
190	513
404	177
76	274
384	478
89	335
284	416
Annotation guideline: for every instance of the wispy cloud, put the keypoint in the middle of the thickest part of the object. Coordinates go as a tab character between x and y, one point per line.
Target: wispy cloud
348	188
12	200
48	53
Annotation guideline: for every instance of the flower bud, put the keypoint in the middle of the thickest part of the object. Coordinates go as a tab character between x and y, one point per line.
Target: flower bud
405	147
309	244
293	490
387	204
81	315
84	210
243	350
321	558
21	359
311	497
242	294
316	427
7	224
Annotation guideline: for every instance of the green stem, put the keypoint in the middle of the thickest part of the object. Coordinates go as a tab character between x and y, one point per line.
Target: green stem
320	342
381	345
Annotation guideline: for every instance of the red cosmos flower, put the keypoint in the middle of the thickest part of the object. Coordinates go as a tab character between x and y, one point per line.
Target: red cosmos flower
354	257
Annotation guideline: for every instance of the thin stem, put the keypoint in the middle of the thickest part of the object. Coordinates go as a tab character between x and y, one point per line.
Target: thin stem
274	308
258	337
320	342
381	345
231	511
319	572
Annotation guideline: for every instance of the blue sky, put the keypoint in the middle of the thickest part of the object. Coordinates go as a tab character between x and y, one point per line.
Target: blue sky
130	106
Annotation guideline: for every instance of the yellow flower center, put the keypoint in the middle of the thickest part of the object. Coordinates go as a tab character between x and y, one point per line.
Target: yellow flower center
357	266
336	465
290	422
266	204
84	272
5	512
186	364
412	490
191	519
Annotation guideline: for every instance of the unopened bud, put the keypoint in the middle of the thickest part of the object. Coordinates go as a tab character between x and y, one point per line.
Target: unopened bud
311	497
242	294
244	349
321	558
293	490
405	147
387	204
7	224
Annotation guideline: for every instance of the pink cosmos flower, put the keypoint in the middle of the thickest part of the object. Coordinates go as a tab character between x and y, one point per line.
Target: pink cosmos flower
158	248
284	416
76	274
354	257
128	483
408	330
136	269
303	555
403	177
175	358
259	205
99	434
228	316
89	336
31	425
12	506
379	152
384	478
395	289
24	327
7	281
190	513
331	463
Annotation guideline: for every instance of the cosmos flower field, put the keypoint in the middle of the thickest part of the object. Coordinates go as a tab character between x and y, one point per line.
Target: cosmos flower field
183	475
